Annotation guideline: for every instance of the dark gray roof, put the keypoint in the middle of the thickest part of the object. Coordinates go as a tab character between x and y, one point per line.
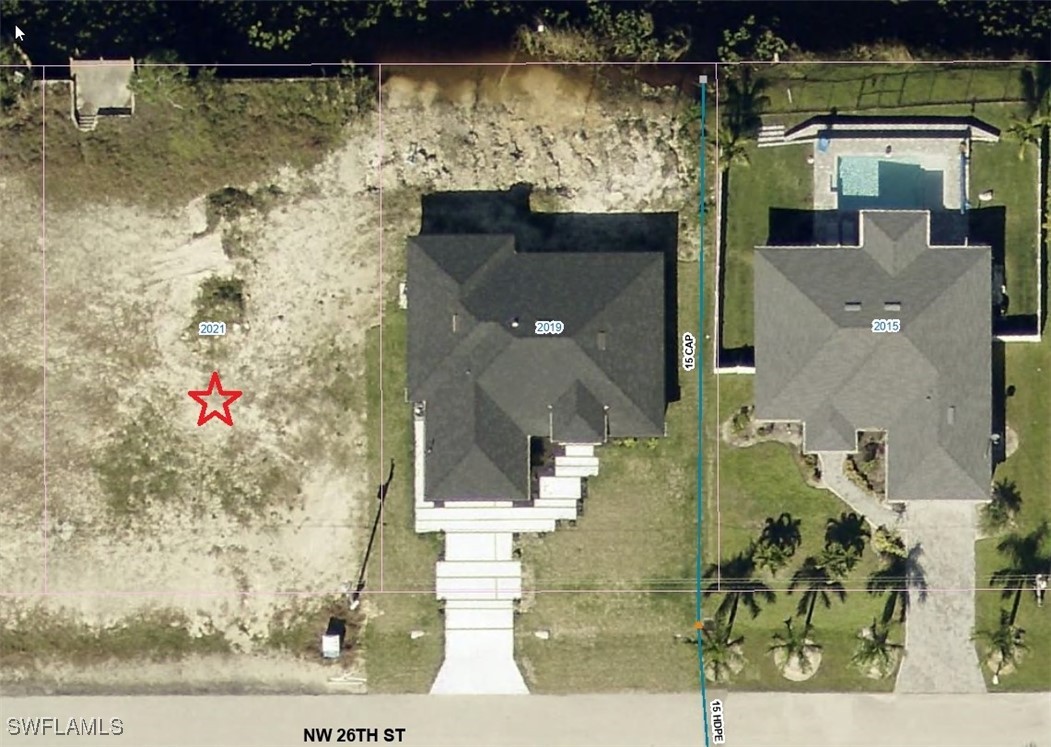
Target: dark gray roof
929	386
490	382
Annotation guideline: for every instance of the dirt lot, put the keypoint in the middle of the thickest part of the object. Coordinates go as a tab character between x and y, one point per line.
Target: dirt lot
239	538
147	513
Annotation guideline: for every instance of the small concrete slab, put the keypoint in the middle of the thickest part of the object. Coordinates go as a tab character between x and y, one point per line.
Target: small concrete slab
103	86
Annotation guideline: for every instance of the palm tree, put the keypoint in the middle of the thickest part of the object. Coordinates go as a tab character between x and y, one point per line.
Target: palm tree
1036	88
1004	642
898	577
875	649
735	580
796	645
1027	557
848	531
1004	506
778	542
1028	130
744	99
720	651
819	582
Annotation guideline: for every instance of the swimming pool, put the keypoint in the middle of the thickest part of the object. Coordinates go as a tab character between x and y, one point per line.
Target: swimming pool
891	184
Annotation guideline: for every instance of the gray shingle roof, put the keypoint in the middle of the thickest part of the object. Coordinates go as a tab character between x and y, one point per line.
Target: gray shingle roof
929	386
490	382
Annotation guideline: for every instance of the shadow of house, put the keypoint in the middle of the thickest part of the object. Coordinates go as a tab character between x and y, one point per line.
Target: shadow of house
493	212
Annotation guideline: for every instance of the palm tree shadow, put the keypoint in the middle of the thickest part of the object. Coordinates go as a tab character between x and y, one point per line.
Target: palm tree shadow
915	575
902	577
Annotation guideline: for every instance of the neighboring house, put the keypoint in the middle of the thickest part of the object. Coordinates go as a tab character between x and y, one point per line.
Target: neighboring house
875	310
825	353
524	326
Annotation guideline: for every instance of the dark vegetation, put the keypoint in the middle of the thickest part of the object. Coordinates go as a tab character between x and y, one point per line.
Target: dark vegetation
221	300
161	634
383	30
297	629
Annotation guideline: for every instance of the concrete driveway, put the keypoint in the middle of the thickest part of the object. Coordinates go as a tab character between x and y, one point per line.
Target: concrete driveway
939	654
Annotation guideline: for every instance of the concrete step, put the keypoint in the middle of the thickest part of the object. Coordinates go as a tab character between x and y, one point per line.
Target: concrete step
559	487
556	503
479	619
478	546
478	569
582	461
523	513
771	135
479	604
585	450
516	526
575	470
463	589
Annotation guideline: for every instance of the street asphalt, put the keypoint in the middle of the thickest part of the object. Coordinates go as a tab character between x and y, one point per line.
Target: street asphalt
628	720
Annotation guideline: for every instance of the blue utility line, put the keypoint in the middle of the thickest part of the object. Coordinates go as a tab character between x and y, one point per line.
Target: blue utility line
699	357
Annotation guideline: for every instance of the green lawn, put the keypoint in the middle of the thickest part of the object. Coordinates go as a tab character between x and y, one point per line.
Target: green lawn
762	481
394	662
819	87
1029	414
637	532
772	177
997	166
780	177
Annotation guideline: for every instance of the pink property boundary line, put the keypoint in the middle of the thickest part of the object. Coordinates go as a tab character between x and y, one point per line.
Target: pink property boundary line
431	592
43	272
379	69
568	63
379	378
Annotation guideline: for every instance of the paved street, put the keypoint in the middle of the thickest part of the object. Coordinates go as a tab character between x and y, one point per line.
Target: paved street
751	720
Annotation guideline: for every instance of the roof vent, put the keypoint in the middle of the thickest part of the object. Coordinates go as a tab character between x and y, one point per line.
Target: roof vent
456	321
852	306
892	305
602	340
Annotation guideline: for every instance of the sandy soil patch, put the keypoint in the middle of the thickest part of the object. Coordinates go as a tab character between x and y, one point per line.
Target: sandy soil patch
224	520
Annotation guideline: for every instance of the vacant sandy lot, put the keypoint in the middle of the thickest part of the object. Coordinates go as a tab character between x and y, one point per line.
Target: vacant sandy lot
145	510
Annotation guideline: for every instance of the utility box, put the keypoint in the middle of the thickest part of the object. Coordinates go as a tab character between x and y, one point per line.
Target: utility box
332	640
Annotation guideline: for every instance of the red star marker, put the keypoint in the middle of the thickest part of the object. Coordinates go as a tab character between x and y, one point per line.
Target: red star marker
214	387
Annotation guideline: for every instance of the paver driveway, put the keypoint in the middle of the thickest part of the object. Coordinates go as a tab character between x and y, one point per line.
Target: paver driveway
939	654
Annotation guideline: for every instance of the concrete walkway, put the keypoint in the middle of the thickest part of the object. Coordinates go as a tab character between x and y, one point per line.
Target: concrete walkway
939	654
835	479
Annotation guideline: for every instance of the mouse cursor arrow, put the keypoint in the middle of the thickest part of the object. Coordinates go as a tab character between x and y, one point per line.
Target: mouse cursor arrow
19	34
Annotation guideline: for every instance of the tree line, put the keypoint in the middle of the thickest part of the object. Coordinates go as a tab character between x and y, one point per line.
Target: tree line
284	33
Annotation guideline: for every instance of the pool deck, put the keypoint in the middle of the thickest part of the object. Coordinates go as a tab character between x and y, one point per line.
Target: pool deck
933	154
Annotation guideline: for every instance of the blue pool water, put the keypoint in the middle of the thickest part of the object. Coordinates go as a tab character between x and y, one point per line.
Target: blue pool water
890	184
